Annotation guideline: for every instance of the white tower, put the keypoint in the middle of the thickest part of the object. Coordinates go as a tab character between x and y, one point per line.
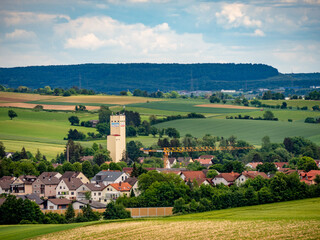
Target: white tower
116	141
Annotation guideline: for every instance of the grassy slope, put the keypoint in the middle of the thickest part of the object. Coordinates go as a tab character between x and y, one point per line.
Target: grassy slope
269	221
249	130
293	103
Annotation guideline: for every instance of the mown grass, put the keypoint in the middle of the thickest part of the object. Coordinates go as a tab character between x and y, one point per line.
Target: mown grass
249	130
282	115
187	107
286	220
293	103
13	232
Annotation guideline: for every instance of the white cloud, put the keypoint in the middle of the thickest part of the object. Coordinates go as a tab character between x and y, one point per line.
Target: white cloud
20	35
258	33
234	15
11	18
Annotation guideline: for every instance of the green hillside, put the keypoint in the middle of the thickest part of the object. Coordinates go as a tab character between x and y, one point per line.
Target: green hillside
249	130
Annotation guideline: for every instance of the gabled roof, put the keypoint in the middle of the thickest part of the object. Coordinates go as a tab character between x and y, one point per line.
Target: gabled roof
193	175
172	160
206	161
107	175
121	186
280	164
206	157
31	197
5	184
7	178
60	201
254	174
72	183
312	174
93	204
131	180
95	187
48	174
86	158
229	177
254	165
51	181
70	174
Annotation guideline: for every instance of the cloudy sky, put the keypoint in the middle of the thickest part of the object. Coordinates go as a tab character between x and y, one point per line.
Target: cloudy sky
282	33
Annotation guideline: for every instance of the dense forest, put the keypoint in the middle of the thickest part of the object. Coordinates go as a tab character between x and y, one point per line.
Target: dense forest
113	78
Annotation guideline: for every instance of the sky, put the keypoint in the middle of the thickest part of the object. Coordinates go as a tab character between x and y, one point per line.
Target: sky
282	33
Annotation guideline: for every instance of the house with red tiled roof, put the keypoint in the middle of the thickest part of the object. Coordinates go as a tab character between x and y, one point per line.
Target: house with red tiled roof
206	162
225	178
198	176
309	177
280	165
115	190
244	176
253	165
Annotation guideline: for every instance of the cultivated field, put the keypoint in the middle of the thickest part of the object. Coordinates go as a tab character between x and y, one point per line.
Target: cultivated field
251	131
293	103
224	106
287	220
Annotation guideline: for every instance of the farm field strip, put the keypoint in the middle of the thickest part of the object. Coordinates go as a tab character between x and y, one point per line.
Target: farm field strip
45	106
23	97
186	107
293	103
285	220
248	130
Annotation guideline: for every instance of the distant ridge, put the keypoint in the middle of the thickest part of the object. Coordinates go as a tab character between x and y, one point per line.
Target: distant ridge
113	78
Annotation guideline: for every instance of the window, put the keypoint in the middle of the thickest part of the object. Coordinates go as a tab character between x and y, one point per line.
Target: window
99	194
72	193
51	207
94	194
60	187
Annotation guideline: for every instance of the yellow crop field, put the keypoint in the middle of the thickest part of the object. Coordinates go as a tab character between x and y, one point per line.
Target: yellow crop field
104	99
199	229
11	97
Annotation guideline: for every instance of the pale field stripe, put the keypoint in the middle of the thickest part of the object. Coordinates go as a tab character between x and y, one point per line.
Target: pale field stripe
202	230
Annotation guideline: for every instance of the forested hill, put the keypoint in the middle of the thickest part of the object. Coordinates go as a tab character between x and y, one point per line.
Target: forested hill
113	78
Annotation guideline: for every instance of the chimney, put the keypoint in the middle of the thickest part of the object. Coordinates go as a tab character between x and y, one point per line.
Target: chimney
119	183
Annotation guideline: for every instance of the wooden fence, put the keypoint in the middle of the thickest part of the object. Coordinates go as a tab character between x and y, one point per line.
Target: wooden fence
135	212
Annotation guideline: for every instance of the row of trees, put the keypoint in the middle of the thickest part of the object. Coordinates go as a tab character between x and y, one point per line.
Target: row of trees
15	210
47	90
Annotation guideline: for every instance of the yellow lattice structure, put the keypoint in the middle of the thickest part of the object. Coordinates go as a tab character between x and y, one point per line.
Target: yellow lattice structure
169	150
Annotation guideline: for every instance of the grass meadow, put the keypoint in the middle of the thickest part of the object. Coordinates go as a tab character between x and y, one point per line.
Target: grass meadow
251	131
293	103
286	220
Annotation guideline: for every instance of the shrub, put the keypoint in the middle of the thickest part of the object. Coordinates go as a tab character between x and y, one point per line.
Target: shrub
116	211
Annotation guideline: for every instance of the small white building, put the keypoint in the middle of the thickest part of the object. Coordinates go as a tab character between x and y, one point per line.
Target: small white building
68	188
57	203
225	178
107	177
98	192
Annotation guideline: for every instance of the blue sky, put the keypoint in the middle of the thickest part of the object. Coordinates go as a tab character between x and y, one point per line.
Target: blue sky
284	34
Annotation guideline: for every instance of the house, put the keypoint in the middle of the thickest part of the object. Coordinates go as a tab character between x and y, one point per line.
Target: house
207	157
225	178
22	185
133	181
98	191
206	162
115	190
80	175
184	161
198	176
249	175
253	165
107	177
172	162
32	197
318	163
280	165
5	186
45	185
69	188
309	177
56	203
79	204
9	154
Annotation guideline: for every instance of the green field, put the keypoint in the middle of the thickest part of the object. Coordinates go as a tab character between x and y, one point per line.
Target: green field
251	131
293	103
285	220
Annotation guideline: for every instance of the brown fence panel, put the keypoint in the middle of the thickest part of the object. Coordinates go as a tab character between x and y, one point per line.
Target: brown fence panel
150	212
